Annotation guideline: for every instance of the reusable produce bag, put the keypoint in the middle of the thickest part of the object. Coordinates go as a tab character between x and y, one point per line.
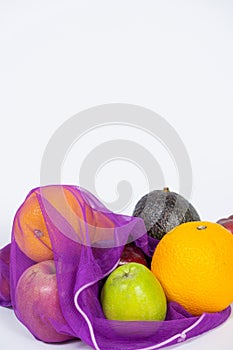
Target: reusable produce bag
87	243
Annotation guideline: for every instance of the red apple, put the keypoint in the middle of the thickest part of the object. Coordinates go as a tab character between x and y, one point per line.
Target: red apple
37	302
227	223
132	253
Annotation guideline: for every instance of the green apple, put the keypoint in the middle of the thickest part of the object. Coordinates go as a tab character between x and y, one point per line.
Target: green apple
132	293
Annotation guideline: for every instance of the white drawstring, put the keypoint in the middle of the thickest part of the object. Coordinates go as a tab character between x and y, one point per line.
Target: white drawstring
83	313
180	336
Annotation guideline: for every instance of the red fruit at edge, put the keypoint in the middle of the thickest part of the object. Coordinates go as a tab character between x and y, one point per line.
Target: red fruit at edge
131	253
227	223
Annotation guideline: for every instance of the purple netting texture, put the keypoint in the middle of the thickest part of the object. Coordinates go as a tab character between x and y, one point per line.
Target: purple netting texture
86	242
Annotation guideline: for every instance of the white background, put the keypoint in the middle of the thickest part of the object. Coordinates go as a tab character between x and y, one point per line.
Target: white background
60	57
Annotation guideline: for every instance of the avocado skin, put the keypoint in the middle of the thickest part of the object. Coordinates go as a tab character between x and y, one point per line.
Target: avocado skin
163	210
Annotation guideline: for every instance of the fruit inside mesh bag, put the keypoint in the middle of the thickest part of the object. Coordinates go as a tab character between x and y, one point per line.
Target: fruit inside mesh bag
68	234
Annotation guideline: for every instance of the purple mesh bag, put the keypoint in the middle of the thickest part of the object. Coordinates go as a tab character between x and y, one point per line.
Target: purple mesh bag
86	246
5	298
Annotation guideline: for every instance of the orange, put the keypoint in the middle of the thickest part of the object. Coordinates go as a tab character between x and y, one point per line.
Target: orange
31	231
194	264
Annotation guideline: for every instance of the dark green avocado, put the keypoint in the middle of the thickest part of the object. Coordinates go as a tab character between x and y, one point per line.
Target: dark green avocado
163	210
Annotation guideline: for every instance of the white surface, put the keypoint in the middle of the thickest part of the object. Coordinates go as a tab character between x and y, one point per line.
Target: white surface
60	57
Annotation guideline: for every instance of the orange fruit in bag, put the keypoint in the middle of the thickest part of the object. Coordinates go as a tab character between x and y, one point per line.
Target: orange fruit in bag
32	233
194	264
